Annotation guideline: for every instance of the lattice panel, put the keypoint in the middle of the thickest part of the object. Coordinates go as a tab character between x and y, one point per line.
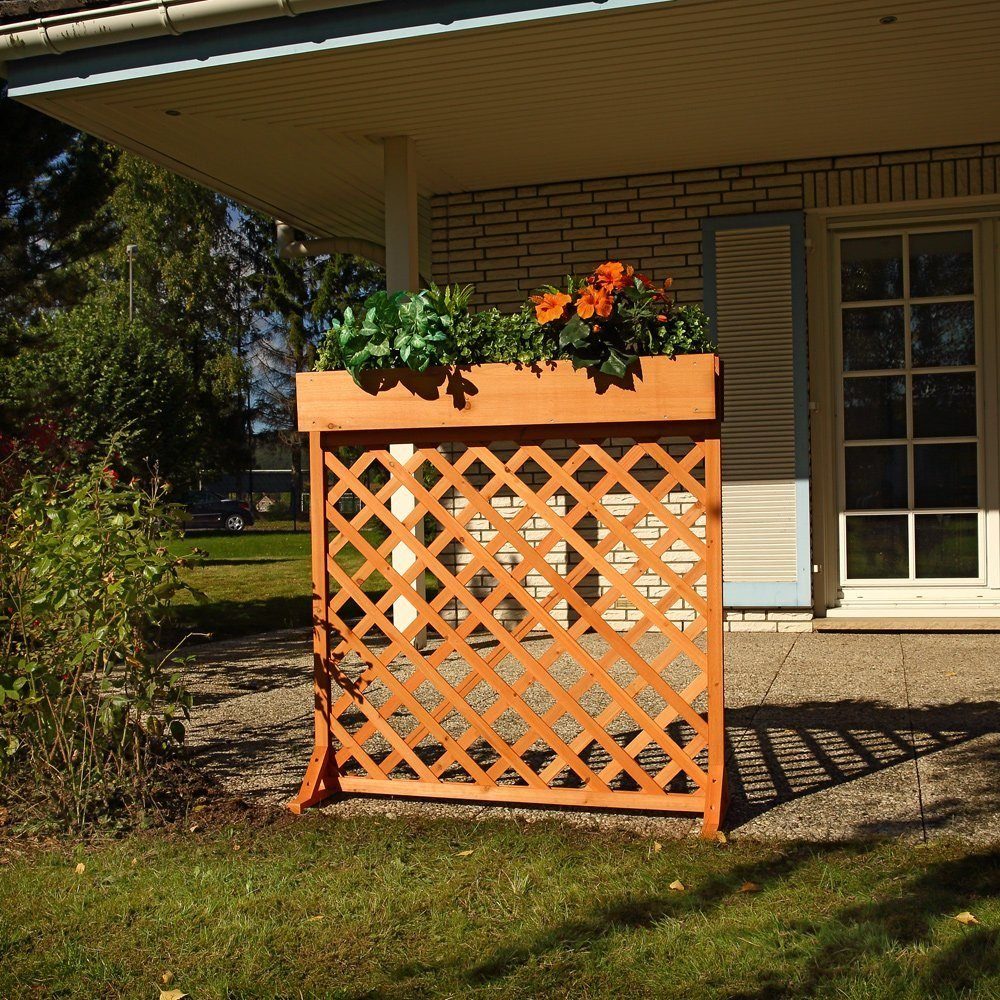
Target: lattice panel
553	706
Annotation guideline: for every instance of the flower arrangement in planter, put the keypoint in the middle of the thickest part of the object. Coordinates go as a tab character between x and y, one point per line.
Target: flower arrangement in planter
419	374
604	321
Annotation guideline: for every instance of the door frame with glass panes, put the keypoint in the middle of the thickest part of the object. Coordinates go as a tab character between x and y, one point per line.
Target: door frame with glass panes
911	414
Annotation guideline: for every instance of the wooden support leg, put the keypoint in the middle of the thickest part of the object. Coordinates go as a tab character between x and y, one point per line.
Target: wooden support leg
320	781
715	793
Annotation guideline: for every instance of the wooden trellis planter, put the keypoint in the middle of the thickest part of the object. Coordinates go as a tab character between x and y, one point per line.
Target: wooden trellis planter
590	719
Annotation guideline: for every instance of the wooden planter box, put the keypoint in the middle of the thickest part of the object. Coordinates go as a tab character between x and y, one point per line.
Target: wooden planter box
658	390
377	730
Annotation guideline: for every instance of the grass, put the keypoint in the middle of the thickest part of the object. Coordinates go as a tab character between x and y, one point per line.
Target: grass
326	907
258	581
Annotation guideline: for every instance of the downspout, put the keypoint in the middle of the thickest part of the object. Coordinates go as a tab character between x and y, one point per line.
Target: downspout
290	248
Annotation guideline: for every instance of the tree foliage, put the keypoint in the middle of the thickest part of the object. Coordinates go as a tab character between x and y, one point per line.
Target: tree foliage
137	386
296	302
189	290
88	707
173	379
54	185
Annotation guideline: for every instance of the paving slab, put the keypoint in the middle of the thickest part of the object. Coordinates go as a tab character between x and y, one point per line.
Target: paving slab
827	753
954	694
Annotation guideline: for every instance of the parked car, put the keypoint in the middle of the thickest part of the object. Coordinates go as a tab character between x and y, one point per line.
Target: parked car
209	510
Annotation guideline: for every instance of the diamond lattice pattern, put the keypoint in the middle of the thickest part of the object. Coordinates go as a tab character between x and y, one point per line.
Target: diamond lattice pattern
552	703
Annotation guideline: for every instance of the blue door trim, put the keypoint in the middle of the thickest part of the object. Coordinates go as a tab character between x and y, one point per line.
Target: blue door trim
784	594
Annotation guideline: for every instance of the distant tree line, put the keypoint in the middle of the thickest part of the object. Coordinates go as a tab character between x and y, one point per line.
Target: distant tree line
219	324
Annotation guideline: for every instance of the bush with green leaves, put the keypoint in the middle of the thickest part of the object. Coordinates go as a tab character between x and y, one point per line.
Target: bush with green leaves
605	321
88	707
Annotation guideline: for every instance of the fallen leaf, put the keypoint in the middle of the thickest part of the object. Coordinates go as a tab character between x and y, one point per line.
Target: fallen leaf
4	816
965	918
749	887
236	847
80	868
312	920
657	846
135	861
167	978
677	885
463	854
194	828
172	995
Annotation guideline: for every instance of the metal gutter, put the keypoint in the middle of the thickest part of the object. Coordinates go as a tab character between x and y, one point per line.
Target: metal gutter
355	24
142	19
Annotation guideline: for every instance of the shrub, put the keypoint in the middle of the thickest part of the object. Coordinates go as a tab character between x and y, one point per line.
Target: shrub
88	708
604	321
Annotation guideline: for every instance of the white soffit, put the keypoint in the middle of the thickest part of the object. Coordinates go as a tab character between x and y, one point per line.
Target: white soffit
659	86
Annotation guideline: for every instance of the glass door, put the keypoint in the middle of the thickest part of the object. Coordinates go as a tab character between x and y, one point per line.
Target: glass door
910	423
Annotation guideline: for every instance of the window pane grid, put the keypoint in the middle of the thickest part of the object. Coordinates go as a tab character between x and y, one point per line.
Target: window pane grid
948	535
915	370
920	300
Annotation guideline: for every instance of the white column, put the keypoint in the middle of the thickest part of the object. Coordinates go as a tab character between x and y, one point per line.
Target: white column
402	273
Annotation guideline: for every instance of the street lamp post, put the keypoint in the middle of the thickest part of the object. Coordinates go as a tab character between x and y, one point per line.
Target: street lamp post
130	250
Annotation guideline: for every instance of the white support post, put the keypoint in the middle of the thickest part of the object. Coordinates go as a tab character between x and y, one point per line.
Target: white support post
402	273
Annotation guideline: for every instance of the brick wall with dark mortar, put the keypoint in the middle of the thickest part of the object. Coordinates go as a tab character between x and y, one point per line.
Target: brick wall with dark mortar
510	241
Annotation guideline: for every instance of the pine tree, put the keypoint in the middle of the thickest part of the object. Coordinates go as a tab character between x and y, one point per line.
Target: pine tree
54	186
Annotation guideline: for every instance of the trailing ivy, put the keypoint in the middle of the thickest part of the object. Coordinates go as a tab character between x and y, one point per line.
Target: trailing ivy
605	321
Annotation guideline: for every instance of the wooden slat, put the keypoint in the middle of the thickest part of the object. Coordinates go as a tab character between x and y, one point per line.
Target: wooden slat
547	395
404	744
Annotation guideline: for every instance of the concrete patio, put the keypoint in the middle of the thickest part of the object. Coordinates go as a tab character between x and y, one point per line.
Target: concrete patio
832	736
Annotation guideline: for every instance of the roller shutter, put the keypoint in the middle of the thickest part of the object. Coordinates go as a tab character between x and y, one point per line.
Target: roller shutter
755	294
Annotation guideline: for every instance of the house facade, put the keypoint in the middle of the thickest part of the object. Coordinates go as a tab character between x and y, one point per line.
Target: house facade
823	177
821	275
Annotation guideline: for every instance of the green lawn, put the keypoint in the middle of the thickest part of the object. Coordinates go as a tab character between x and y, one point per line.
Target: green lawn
256	582
322	907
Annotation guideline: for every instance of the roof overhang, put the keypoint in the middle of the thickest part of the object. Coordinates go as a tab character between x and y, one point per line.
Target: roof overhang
287	115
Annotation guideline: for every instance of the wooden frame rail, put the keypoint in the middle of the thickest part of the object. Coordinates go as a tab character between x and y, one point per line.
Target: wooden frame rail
553	706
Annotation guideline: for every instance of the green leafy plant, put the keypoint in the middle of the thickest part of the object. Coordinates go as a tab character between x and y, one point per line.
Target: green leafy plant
615	315
604	321
88	707
506	338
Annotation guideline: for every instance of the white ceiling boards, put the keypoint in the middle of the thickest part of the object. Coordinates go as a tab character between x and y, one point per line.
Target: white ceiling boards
580	90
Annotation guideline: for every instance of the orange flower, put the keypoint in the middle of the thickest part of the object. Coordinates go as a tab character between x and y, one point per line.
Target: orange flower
550	306
613	275
594	302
